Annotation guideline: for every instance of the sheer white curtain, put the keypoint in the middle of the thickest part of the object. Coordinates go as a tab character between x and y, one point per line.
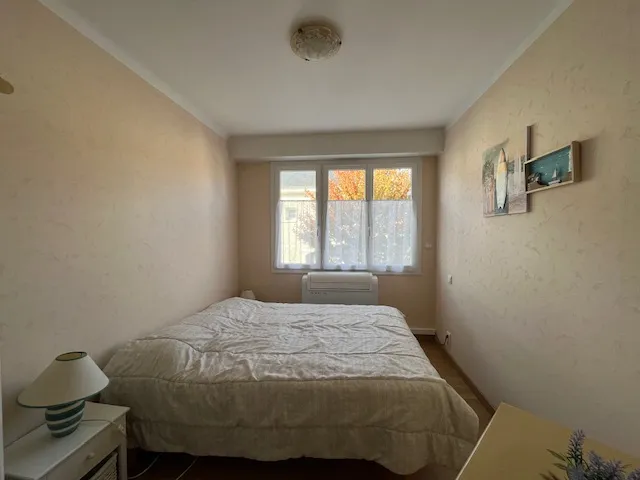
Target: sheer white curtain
393	235
297	234
345	235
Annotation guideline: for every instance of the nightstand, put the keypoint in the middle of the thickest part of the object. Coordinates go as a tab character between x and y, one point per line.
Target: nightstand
39	456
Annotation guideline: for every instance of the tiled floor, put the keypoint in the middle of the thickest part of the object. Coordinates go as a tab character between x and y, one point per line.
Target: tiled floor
447	370
170	466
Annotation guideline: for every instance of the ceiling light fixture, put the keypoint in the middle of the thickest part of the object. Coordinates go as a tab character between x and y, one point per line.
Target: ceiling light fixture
315	42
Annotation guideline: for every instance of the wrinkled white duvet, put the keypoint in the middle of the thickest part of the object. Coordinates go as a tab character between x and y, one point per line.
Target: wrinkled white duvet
275	381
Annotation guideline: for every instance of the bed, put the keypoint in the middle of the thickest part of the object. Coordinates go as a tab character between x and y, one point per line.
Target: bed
272	381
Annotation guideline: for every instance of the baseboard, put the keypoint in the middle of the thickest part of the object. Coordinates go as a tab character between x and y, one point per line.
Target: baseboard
468	381
423	331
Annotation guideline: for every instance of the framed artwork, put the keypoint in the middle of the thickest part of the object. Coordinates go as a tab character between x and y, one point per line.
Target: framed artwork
557	168
503	182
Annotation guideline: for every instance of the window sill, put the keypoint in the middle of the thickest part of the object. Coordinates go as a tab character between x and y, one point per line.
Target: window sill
302	271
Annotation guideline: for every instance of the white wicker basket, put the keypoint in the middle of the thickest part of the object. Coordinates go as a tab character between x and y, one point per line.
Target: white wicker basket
108	471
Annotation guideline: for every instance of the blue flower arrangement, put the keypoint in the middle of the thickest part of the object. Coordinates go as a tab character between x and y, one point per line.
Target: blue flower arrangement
594	467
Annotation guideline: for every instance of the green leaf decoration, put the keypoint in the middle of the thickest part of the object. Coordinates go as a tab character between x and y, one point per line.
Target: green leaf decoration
557	455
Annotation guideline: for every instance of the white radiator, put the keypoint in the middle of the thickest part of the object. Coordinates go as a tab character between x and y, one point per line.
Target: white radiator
347	288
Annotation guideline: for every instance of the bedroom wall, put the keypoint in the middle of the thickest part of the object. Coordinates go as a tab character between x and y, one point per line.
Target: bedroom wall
117	207
544	308
414	295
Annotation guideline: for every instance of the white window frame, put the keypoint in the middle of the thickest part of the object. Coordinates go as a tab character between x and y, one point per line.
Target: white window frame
321	168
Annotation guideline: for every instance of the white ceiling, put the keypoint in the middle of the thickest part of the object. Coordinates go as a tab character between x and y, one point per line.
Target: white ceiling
403	63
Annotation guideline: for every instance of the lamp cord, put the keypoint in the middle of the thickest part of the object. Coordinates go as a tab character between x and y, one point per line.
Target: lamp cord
123	432
146	469
187	469
184	472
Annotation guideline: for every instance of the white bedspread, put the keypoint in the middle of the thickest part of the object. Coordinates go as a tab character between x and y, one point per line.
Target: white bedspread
275	381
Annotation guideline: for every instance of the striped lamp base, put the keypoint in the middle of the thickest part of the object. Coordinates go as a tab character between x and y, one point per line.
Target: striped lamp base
64	419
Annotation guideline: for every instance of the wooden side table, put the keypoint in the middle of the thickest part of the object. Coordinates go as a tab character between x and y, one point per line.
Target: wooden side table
39	456
515	444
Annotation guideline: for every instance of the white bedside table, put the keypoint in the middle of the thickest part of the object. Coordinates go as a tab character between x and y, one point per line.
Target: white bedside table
39	456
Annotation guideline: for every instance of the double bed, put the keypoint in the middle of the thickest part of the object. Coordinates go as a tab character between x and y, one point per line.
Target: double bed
272	381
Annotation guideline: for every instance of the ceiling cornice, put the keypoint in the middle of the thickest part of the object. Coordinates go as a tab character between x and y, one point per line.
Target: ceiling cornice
546	23
85	28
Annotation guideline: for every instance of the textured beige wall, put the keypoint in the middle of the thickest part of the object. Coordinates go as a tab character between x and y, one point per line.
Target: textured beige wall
545	307
414	295
117	208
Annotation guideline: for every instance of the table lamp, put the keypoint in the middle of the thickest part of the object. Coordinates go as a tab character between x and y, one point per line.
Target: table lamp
62	389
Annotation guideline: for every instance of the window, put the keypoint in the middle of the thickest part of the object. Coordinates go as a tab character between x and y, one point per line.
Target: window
346	224
347	216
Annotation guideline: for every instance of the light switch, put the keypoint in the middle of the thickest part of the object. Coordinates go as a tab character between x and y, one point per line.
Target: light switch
450	279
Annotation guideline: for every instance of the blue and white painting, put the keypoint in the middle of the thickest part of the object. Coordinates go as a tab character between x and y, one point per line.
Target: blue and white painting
552	169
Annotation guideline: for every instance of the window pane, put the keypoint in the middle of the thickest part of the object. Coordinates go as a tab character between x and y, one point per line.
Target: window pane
297	220
298	185
392	184
393	223
347	184
346	234
346	230
392	232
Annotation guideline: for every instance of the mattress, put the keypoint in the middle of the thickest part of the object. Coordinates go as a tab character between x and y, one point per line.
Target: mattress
272	381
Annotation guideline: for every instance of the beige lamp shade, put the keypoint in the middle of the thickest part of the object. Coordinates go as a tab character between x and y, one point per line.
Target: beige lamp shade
70	377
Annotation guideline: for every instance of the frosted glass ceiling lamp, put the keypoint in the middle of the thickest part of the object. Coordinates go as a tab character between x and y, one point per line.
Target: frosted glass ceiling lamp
62	389
315	42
